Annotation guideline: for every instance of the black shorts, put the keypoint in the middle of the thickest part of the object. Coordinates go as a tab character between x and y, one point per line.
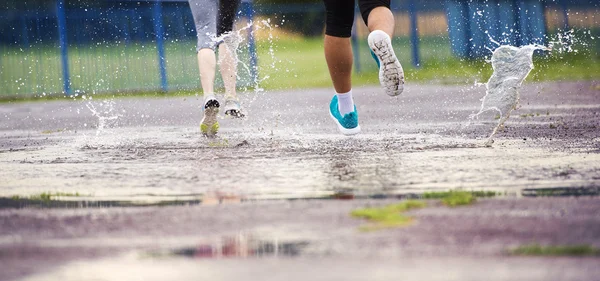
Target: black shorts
340	14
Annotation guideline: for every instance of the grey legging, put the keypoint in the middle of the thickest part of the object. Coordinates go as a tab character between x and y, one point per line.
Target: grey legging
213	18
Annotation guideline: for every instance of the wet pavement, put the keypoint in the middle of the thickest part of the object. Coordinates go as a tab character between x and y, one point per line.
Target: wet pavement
149	150
299	240
288	146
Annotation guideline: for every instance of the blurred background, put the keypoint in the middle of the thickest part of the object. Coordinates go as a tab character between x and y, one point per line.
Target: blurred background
75	47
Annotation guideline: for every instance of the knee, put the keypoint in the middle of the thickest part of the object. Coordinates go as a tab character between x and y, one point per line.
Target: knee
366	6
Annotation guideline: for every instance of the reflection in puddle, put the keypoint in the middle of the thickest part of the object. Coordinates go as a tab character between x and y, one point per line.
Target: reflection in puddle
241	246
561	192
144	200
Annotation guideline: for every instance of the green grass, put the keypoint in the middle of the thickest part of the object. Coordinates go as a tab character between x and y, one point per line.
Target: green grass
388	216
288	63
538	250
392	215
458	198
45	196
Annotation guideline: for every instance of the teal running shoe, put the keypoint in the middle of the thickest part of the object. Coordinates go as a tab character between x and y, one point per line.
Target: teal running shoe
347	124
376	59
391	74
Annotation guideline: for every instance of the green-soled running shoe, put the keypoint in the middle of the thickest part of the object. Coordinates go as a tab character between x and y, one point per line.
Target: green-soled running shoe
209	125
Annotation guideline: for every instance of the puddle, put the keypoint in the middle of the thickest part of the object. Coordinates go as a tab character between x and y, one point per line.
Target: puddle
165	161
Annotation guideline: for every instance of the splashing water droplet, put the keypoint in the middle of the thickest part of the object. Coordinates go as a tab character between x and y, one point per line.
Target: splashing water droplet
511	66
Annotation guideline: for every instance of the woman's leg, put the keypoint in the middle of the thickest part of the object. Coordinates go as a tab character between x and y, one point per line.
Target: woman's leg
338	51
377	15
338	54
380	20
205	18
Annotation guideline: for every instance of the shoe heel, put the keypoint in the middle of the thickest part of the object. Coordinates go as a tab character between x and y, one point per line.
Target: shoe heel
212	103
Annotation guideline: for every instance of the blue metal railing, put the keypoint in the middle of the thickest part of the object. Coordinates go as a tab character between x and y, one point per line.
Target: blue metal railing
62	31
82	34
140	45
160	44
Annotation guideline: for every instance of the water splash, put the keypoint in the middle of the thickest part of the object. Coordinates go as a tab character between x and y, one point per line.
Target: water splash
234	42
105	112
511	66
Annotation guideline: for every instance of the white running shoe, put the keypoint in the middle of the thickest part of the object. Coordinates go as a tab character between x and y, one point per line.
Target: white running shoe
233	109
391	74
209	125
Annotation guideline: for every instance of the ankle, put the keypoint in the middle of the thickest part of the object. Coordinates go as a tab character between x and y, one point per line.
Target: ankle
345	102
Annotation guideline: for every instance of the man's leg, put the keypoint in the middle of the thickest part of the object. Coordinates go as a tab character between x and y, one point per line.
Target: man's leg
228	55
228	48
380	20
228	68
338	54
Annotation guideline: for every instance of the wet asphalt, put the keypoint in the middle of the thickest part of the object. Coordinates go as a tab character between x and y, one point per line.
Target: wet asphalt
245	216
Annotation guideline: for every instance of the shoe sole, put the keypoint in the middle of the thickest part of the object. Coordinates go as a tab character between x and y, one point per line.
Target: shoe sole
391	74
209	125
345	131
234	113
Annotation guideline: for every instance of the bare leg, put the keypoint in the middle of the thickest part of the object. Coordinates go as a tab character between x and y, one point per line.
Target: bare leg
228	68
207	63
391	74
338	54
381	18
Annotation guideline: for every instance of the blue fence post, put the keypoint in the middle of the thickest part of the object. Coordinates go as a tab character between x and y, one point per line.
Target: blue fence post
565	12
160	44
414	35
517	24
248	10
62	38
458	27
24	32
507	19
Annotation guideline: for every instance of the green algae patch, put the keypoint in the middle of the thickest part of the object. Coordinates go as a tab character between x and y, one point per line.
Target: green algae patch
458	198
538	250
452	198
46	196
388	216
